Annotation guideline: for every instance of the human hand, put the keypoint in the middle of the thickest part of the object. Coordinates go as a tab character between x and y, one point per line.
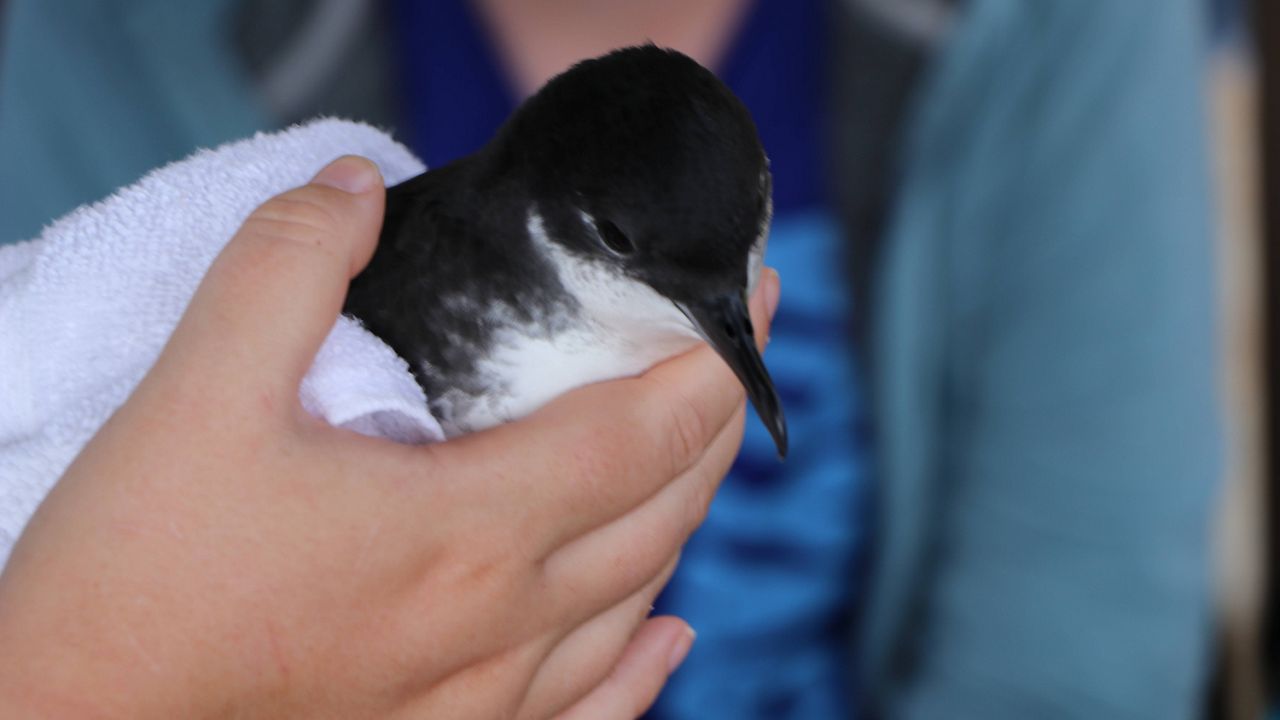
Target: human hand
215	550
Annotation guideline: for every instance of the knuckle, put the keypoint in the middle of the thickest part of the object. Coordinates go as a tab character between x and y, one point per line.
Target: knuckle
637	569
595	460
702	495
686	430
481	569
298	216
595	470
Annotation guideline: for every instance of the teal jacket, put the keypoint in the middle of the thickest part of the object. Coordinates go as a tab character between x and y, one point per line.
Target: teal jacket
1044	365
94	93
1042	352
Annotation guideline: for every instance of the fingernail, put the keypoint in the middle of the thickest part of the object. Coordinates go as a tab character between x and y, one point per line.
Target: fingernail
349	173
680	650
772	291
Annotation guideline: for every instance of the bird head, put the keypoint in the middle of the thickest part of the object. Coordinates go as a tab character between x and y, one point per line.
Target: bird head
643	166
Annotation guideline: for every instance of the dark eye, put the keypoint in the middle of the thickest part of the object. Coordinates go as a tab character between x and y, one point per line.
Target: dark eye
614	239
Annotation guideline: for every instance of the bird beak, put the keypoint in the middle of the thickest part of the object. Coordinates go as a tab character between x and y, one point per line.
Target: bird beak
725	324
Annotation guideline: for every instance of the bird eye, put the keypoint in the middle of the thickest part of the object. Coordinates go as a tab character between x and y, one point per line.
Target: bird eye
614	239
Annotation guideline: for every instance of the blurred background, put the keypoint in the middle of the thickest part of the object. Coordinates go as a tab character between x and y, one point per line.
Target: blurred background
1029	256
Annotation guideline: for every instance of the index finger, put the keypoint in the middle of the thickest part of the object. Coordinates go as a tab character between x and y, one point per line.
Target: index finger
596	453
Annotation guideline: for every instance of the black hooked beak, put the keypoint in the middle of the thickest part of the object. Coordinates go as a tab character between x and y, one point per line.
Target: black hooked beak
725	323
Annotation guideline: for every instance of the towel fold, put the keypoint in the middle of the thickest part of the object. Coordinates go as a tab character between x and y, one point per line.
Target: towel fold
86	308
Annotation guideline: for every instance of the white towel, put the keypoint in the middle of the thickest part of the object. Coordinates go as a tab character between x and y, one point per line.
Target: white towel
86	308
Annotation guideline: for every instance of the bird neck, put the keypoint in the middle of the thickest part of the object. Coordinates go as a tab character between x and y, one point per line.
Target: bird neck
454	264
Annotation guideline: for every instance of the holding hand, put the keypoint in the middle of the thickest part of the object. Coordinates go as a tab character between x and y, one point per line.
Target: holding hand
217	551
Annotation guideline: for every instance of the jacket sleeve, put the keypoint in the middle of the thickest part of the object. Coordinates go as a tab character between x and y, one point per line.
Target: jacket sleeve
1047	350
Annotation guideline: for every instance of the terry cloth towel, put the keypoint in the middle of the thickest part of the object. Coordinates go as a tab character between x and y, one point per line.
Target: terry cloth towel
86	308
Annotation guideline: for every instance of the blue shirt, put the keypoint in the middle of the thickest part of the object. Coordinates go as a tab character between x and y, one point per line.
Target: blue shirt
770	579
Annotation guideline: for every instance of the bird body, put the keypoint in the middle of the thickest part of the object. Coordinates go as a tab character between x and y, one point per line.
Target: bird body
618	218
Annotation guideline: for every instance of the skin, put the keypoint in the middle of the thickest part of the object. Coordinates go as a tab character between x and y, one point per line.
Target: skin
215	551
538	39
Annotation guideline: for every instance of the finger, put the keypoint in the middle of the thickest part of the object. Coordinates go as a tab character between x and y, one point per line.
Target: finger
631	689
610	562
603	449
273	293
579	659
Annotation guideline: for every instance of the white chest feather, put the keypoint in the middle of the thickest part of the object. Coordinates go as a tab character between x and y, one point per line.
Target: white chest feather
624	327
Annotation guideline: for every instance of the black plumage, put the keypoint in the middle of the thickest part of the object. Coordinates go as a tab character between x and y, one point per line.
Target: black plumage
640	163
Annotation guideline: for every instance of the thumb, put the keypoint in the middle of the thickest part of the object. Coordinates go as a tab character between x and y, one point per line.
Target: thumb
273	293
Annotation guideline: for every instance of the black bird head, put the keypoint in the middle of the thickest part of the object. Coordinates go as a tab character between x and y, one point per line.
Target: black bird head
644	161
